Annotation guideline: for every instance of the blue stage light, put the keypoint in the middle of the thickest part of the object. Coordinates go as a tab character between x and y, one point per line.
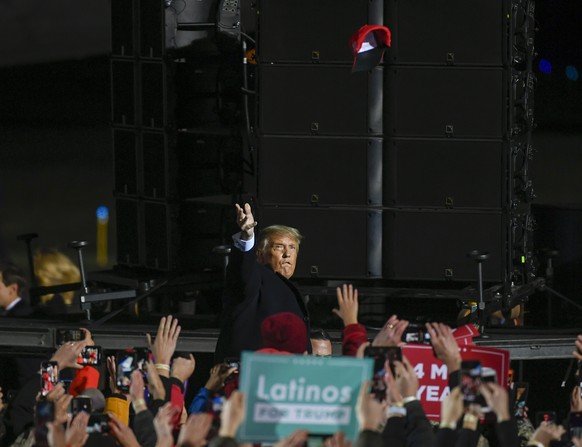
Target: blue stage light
572	73
102	213
545	66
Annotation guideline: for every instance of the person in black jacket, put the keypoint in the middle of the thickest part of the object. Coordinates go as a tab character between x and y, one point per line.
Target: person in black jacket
258	285
12	284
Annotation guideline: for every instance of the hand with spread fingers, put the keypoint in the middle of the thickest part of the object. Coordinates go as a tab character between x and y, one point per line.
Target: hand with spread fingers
164	345
391	332
347	300
218	374
68	353
245	221
444	345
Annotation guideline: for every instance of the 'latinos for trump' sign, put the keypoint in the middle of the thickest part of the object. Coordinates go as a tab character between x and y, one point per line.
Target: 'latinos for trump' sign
289	392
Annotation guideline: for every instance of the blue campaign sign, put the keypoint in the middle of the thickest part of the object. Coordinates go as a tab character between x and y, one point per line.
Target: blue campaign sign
289	392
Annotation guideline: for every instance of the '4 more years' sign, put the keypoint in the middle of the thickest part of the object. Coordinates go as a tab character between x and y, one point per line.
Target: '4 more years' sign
289	392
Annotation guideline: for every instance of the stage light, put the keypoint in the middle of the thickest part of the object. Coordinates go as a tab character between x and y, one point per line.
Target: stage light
545	66
572	73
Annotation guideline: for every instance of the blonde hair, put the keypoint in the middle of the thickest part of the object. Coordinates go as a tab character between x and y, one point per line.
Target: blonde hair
267	234
53	268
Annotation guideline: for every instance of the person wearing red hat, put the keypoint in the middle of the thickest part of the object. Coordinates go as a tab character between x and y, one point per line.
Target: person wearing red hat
258	285
283	333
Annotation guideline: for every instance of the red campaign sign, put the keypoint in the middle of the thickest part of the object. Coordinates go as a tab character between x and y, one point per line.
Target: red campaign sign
433	376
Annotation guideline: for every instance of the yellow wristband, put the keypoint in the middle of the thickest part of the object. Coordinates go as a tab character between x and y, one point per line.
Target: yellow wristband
162	366
408	399
139	404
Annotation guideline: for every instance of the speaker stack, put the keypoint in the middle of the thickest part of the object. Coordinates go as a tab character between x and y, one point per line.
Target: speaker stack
175	134
399	172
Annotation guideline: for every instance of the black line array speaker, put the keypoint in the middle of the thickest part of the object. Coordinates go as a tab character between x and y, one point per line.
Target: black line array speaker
399	172
433	244
176	138
320	134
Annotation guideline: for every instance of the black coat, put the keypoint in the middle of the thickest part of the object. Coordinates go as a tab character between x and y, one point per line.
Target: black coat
253	292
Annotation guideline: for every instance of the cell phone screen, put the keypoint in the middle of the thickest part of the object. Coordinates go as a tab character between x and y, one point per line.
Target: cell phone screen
520	390
126	364
91	355
470	380
81	403
49	376
545	416
44	412
381	355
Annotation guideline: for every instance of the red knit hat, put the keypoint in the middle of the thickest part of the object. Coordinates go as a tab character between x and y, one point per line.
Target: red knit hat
368	45
284	331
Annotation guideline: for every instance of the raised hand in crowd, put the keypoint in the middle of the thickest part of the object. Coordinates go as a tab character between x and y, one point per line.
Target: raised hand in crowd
194	431
576	399
183	368
347	300
369	410
406	379
112	370
2	403
577	353
68	353
88	336
391	332
72	435
245	221
164	345
444	345
452	409
393	396
61	400
163	425
122	432
233	414
136	392
546	433
218	374
155	385
497	399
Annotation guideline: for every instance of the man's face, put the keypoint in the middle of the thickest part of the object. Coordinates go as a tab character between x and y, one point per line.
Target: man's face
7	293
281	255
321	348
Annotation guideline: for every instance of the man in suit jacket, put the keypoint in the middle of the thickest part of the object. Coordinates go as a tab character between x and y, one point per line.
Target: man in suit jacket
258	284
12	284
14	370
